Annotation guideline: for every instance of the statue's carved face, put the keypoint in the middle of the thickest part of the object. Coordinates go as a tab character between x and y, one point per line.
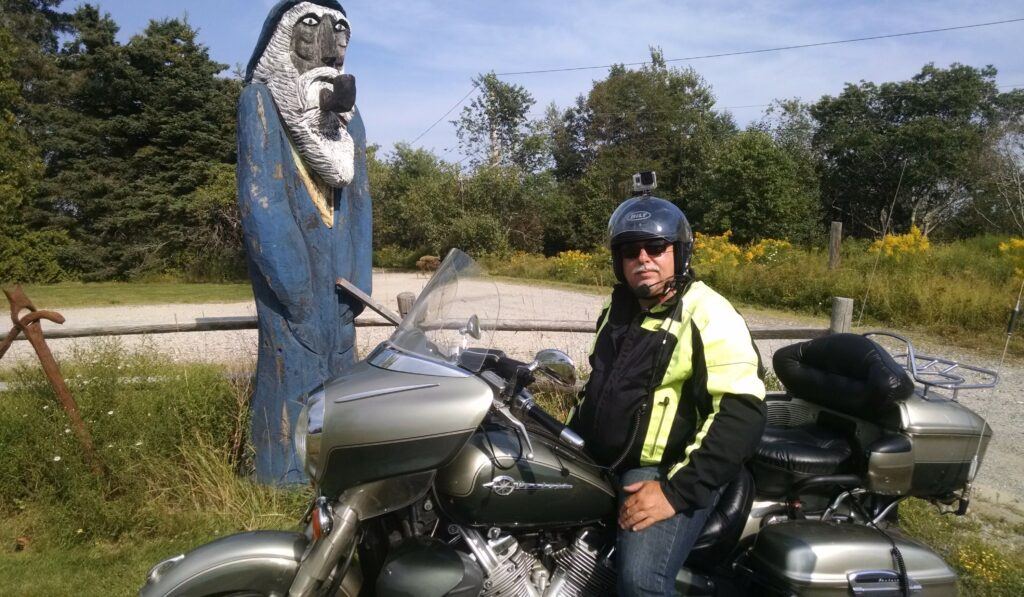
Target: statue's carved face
319	40
303	66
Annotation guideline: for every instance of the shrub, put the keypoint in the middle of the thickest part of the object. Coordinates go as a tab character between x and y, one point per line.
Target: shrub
767	251
899	245
396	257
428	263
710	250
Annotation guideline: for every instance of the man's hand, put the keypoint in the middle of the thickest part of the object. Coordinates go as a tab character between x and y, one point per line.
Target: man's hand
645	507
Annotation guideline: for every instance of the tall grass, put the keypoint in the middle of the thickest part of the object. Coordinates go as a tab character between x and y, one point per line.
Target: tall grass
172	436
955	288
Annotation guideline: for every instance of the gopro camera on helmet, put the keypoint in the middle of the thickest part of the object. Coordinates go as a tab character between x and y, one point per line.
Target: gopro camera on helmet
644	182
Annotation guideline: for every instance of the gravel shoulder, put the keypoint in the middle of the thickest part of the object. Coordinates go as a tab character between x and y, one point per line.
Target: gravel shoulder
999	480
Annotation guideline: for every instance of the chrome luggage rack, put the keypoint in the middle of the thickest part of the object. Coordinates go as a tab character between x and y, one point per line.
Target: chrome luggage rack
938	372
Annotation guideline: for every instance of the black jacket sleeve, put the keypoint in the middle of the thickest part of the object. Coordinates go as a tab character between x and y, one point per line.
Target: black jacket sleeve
729	442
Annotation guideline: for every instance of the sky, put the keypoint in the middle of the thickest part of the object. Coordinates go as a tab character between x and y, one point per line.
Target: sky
414	59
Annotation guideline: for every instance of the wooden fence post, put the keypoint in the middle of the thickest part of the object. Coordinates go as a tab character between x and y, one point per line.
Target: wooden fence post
842	315
405	301
835	239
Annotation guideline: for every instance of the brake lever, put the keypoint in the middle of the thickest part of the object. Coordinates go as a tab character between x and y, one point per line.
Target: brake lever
506	389
503	408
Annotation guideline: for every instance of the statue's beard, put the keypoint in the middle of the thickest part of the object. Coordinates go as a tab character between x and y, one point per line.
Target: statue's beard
321	138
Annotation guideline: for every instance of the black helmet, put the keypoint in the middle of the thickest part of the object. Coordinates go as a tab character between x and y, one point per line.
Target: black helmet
648	218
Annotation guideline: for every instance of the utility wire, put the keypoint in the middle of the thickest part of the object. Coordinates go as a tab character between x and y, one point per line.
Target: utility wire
722	55
438	121
915	94
765	50
885	231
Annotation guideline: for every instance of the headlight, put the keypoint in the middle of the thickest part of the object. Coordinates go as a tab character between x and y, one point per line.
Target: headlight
308	431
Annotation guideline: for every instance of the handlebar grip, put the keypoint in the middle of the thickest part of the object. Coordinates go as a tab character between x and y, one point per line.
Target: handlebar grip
565	435
514	370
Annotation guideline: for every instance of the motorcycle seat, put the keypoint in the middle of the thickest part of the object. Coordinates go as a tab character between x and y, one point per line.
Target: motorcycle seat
787	455
722	531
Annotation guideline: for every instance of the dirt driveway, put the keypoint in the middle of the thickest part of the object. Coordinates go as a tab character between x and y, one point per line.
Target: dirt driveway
1003	407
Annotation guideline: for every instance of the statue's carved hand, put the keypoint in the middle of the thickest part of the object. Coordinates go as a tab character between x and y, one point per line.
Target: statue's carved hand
342	98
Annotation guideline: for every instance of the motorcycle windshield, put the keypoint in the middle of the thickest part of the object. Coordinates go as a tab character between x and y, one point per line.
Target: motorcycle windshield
458	309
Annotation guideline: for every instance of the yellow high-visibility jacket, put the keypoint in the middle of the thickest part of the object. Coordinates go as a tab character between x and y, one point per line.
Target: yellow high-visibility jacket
679	386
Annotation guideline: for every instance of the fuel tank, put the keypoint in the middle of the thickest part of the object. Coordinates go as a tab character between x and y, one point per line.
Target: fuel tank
493	483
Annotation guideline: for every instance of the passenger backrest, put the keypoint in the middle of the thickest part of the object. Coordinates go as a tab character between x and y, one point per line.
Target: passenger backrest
847	373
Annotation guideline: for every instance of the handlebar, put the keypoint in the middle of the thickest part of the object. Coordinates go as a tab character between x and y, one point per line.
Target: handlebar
523	402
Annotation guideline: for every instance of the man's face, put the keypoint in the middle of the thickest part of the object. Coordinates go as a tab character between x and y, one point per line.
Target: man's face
647	263
319	41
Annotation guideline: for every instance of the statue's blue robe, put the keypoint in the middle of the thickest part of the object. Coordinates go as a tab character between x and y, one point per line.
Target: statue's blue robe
306	330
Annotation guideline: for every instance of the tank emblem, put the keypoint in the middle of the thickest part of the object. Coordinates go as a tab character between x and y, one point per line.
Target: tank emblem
505	485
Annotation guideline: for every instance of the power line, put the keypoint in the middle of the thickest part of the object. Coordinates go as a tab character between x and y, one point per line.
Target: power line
764	50
721	55
924	94
438	121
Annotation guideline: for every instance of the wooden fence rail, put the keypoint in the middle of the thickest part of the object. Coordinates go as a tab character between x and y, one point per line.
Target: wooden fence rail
842	312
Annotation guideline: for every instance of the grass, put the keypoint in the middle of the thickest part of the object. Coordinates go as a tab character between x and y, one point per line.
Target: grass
101	294
984	551
959	291
99	569
173	438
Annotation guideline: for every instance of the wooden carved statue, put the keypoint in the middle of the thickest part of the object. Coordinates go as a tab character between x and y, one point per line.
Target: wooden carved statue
305	205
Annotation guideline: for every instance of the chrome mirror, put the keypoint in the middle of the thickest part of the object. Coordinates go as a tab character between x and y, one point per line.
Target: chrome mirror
556	365
472	327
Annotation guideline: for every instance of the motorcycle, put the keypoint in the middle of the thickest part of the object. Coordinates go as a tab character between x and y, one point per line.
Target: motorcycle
437	473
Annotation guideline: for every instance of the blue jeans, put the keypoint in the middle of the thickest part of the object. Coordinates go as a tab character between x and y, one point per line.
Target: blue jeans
649	560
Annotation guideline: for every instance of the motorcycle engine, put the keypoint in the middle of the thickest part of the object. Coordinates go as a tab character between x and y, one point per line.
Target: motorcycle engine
581	568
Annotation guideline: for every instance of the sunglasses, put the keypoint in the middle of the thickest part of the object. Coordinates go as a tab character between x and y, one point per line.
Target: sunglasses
652	249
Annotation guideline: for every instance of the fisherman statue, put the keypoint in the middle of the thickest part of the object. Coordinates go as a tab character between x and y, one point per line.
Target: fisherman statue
305	206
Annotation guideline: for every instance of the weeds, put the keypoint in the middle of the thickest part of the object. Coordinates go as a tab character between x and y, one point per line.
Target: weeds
172	436
985	565
963	288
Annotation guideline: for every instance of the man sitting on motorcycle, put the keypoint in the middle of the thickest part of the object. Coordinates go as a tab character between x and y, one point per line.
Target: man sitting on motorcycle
675	400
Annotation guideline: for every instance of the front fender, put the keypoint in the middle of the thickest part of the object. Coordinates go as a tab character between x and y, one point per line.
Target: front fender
263	562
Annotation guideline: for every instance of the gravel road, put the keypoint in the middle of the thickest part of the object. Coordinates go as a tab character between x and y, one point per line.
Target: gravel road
1003	407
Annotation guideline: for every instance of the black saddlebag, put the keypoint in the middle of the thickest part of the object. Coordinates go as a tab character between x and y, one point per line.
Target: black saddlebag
847	373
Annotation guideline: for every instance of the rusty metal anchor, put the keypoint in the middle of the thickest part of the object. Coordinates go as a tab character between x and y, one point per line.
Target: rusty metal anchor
31	326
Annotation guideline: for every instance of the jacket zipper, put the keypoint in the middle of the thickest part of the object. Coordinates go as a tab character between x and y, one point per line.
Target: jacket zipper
632	436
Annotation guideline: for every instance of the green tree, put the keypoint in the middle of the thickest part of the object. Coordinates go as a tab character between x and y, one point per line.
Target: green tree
415	196
495	128
913	145
654	118
25	255
759	190
140	128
